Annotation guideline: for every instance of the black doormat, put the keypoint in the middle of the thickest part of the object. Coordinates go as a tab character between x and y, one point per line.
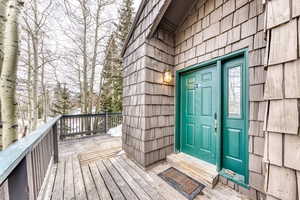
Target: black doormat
184	184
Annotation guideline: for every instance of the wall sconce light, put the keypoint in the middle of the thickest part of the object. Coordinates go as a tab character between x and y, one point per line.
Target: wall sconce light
168	76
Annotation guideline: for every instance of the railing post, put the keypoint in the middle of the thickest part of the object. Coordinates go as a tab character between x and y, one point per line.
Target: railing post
105	122
55	143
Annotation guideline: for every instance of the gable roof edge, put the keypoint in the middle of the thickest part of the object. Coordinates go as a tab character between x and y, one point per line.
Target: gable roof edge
136	19
158	18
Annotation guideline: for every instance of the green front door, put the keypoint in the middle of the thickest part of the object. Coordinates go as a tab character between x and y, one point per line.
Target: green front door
198	110
233	133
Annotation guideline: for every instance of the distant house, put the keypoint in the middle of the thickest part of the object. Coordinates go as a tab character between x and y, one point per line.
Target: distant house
233	100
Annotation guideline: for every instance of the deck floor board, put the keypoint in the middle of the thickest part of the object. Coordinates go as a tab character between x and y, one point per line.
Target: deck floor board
154	194
110	183
113	176
59	182
99	182
69	192
122	184
80	192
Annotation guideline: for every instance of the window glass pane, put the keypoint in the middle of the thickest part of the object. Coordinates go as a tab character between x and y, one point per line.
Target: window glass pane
234	92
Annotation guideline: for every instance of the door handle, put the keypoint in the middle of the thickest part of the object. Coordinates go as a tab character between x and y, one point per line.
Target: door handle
216	122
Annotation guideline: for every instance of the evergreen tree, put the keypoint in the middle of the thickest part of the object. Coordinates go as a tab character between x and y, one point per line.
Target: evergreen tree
62	103
107	74
126	12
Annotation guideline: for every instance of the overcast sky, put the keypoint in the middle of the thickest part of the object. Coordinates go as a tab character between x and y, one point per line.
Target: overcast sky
136	4
58	41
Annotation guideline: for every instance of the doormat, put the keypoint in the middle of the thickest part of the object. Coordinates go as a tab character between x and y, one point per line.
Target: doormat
184	184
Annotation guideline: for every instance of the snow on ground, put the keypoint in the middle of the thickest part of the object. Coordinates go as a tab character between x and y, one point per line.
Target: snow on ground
116	131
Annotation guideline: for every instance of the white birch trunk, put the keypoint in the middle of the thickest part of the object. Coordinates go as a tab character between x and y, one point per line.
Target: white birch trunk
3	7
35	44
94	59
29	113
85	62
8	75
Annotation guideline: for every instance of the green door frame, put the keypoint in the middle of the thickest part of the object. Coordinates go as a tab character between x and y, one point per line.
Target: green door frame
217	62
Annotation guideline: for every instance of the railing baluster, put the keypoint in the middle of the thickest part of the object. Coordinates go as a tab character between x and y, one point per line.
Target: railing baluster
31	185
55	143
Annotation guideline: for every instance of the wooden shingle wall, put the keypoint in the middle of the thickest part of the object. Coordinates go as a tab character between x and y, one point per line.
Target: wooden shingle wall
214	28
282	92
147	104
218	27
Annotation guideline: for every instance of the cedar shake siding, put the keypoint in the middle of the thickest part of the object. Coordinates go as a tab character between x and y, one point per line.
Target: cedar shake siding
210	29
148	106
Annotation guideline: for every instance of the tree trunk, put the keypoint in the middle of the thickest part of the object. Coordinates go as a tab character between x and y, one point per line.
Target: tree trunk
85	63
95	53
35	44
29	117
97	109
44	99
3	7
9	74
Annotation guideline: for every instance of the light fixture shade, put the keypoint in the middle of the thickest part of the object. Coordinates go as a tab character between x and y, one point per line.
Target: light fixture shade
168	76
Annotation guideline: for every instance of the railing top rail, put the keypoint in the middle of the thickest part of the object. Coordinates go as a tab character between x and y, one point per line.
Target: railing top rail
13	155
91	115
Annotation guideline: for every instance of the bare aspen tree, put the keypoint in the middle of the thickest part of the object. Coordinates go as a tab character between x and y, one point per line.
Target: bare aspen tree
84	11
28	84
8	74
35	23
35	44
95	53
86	16
3	7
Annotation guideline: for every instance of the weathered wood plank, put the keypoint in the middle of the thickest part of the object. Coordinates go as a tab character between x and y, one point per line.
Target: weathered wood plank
58	192
80	192
89	183
139	192
278	12
292	152
283	46
46	180
99	182
51	183
296	8
275	148
274	82
283	116
286	189
111	185
162	187
148	188
292	79
124	187
4	191
69	193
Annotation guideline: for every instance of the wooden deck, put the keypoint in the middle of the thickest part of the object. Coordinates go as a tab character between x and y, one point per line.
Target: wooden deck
105	174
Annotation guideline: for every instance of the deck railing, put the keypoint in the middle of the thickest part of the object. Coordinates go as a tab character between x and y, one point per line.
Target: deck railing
24	165
78	126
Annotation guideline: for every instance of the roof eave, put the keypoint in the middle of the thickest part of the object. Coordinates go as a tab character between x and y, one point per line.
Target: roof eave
136	19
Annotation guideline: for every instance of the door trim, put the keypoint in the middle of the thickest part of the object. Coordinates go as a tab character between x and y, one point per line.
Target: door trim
217	62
